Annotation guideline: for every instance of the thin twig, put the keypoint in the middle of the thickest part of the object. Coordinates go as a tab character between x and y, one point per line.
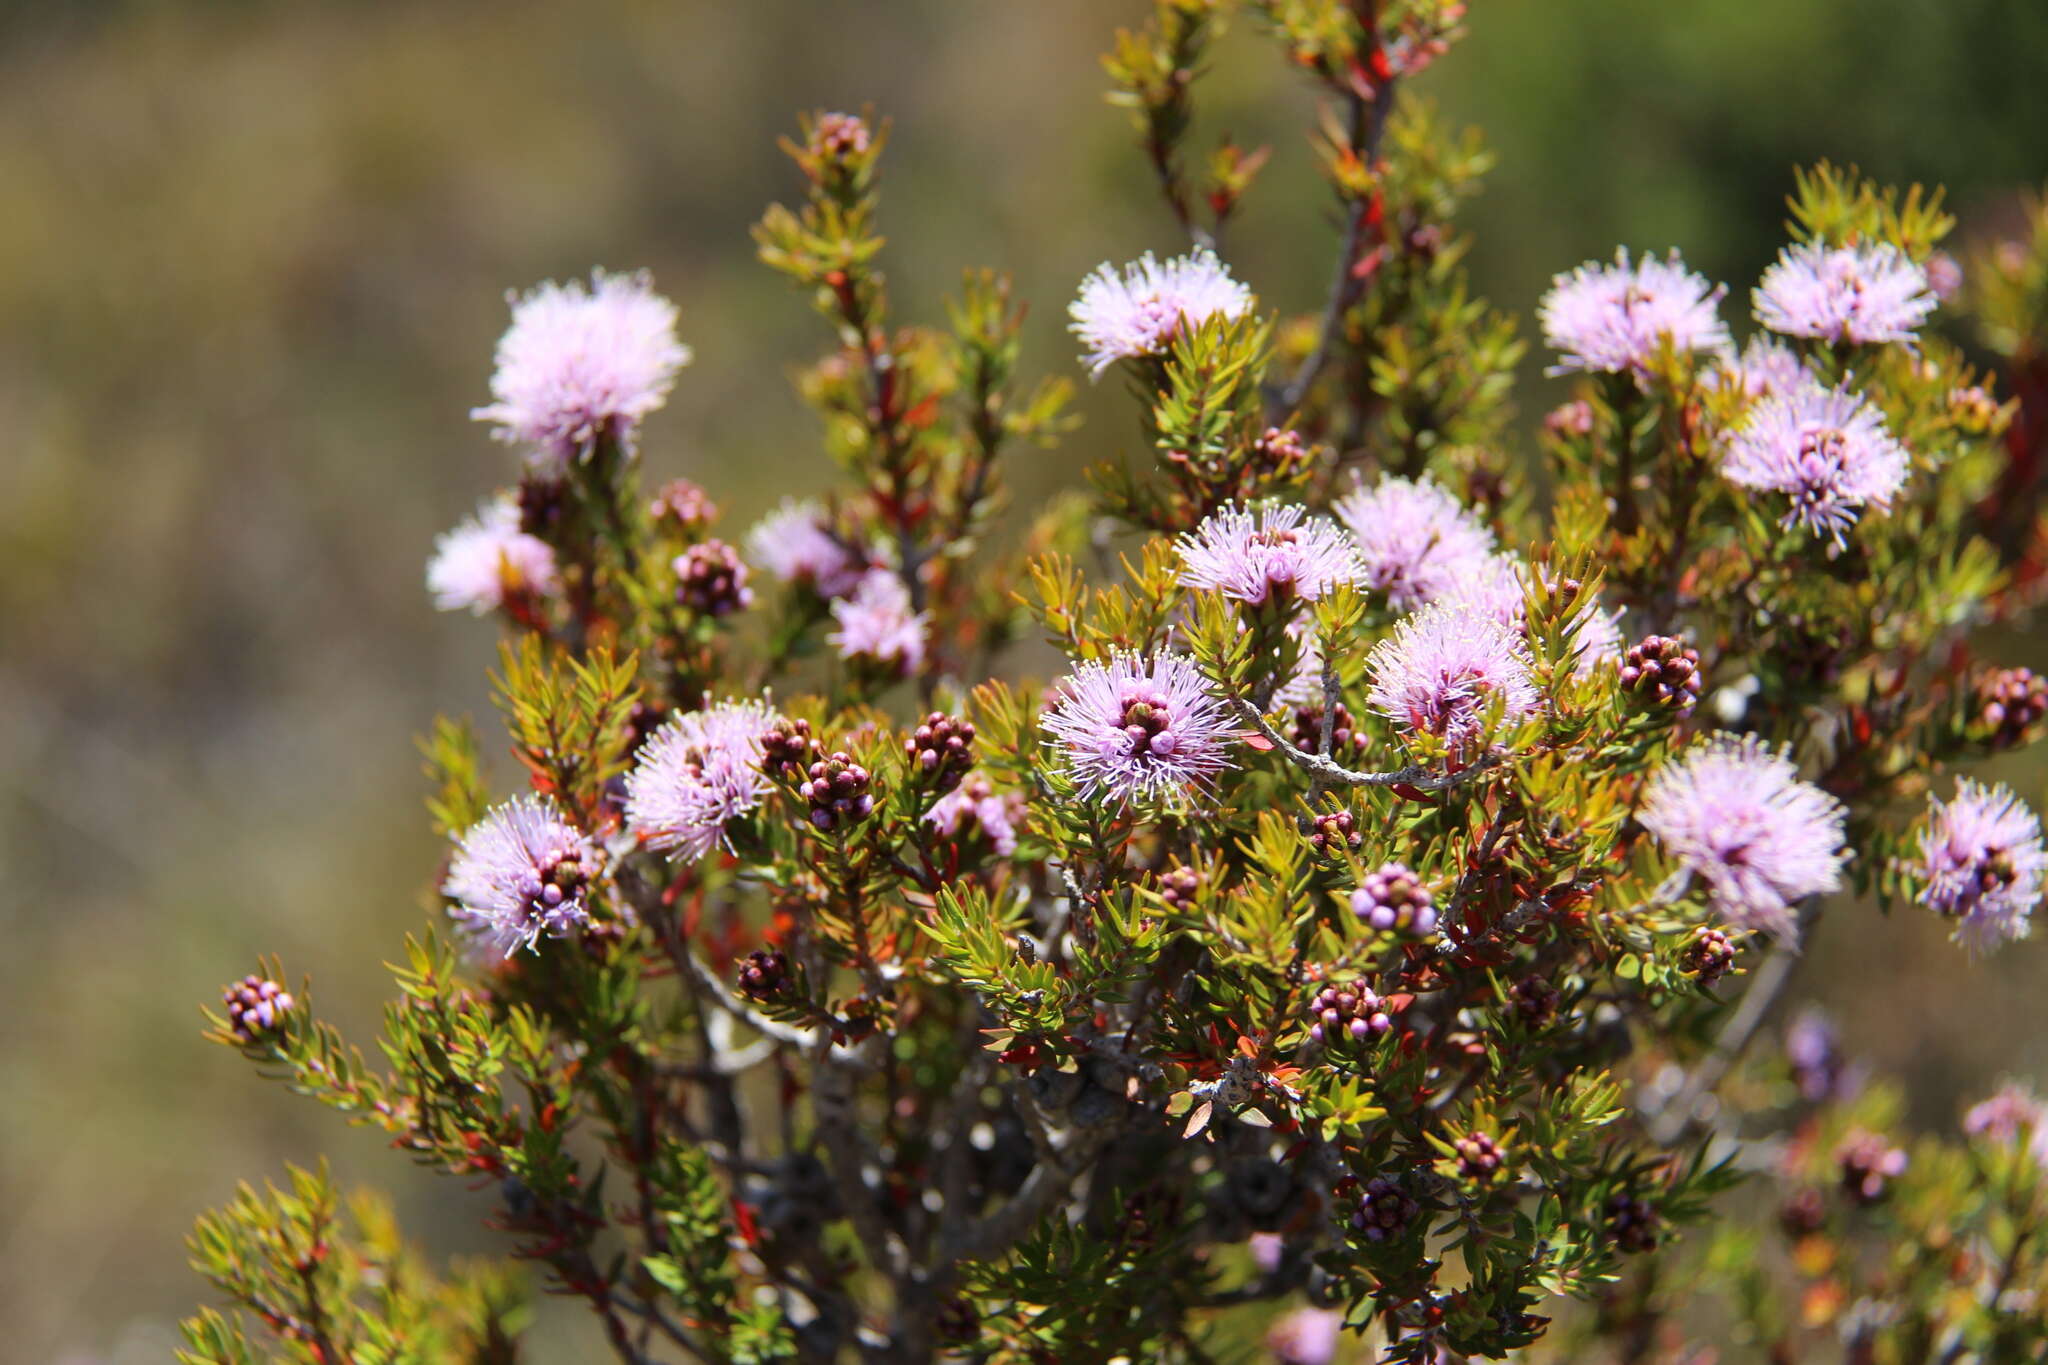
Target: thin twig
1331	773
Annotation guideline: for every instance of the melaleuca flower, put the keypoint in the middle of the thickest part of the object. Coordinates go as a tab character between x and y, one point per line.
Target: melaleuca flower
1766	366
1306	1336
1131	727
1982	864
975	804
521	872
696	774
1861	294
1612	318
1734	813
2010	1117
1249	554
877	623
487	560
1825	449
1138	313
578	365
1414	539
1445	667
794	543
1494	587
1813	1051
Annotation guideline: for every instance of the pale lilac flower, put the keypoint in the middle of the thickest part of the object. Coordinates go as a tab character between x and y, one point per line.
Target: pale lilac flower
1414	538
1982	864
1734	813
1612	318
975	803
1825	449
1944	276
877	623
1444	667
1495	587
1138	313
2012	1116
1813	1050
795	543
581	364
1248	554
1132	727
519	873
1861	294
488	559
1766	367
1306	1336
696	774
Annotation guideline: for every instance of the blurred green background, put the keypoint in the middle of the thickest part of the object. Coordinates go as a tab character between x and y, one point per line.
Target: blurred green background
252	264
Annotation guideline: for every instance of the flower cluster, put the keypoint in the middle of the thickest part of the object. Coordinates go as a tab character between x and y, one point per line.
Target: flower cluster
1826	450
1138	311
487	562
519	874
1613	318
1131	727
1862	295
1982	864
1251	554
699	772
1445	669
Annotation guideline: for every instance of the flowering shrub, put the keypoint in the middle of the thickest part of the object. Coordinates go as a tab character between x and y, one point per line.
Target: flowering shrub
1373	916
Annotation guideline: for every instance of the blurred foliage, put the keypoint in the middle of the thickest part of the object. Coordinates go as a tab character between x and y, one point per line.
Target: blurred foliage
252	258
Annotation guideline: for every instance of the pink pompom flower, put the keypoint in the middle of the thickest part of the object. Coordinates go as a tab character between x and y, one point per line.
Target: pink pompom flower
520	873
876	623
1982	864
1249	554
1138	312
579	365
696	774
1415	540
1826	450
796	544
1610	319
1132	727
1445	667
1863	294
488	560
1734	813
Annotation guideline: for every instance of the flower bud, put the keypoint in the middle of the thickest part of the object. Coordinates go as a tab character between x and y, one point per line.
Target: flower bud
1479	1157
1384	1211
682	504
256	1008
1868	1165
1393	900
710	579
837	789
1662	671
1709	956
940	750
763	975
2010	703
1632	1223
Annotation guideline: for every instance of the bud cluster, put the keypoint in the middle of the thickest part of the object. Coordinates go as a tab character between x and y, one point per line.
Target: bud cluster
2011	702
1393	899
1709	956
1348	1011
764	974
1868	1165
1334	832
256	1006
1633	1222
787	748
1533	998
837	788
1384	1210
1663	671
711	579
941	750
1179	885
1479	1156
682	503
1308	730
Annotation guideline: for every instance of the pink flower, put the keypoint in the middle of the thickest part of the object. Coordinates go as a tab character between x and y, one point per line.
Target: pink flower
1306	1336
876	623
488	559
697	774
1138	313
1612	318
1861	294
795	543
1982	864
1415	540
1825	449
579	365
1248	554
519	873
2013	1115
1735	814
975	804
1134	727
1767	366
1444	667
